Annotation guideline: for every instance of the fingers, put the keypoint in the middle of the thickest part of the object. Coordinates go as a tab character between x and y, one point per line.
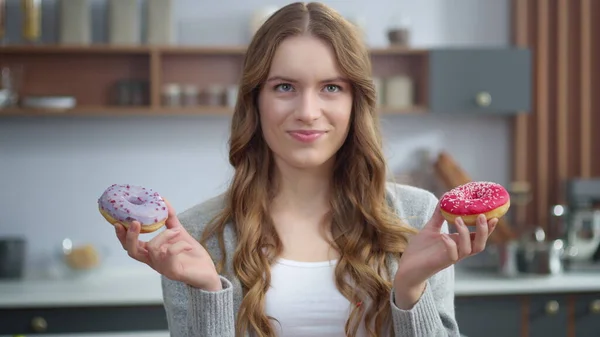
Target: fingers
162	238
172	220
451	246
436	221
456	237
492	225
481	236
135	248
467	243
178	247
121	233
161	250
464	240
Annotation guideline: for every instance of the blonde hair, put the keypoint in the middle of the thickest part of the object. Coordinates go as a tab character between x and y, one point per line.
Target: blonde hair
365	228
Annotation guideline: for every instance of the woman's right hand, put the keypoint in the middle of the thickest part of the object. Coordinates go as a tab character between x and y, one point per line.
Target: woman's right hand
173	253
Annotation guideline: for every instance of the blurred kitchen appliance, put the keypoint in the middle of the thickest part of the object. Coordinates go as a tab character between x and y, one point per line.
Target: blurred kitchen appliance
583	221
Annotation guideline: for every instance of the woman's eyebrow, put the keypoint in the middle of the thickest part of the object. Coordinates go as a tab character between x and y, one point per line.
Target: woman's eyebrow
287	79
280	78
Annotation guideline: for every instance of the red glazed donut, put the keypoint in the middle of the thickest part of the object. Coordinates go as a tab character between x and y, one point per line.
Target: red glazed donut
471	199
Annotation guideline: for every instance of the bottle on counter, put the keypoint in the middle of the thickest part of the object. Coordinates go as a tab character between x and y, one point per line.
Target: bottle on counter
75	22
2	20
159	15
32	19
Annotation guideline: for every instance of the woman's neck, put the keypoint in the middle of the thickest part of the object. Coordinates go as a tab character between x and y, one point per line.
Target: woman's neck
302	190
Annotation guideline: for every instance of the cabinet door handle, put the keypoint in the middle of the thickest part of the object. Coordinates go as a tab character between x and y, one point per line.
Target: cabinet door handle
552	307
484	99
595	307
39	324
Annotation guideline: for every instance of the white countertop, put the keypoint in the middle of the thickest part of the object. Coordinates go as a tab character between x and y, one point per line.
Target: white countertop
131	286
476	284
141	286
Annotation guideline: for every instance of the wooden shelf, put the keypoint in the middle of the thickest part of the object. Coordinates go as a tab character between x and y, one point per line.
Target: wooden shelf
161	111
73	49
169	50
116	111
100	77
78	111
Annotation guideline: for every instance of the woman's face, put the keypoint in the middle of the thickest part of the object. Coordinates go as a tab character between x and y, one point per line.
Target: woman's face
305	104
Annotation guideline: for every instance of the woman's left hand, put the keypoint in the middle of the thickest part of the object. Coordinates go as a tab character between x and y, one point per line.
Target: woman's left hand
431	251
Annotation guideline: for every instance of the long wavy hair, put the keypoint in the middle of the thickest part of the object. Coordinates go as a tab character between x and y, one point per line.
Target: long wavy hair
366	231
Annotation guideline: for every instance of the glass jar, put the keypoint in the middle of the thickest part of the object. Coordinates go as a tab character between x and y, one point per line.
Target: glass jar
171	95
190	95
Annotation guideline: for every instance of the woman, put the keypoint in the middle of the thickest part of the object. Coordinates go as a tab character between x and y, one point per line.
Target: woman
309	239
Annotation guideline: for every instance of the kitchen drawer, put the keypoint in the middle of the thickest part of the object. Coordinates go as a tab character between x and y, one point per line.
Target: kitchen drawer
482	81
106	334
548	316
82	319
587	315
489	316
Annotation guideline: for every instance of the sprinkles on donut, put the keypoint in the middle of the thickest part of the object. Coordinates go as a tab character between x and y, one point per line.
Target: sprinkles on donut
127	203
471	199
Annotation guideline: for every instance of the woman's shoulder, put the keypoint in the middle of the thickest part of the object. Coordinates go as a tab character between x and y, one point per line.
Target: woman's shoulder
413	204
195	218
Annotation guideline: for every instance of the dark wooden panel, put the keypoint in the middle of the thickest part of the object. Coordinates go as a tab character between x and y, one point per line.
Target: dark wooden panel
558	141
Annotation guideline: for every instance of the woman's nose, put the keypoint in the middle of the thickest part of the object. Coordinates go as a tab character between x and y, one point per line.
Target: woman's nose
309	108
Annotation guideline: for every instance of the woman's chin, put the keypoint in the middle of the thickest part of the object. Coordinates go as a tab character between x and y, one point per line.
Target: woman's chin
306	160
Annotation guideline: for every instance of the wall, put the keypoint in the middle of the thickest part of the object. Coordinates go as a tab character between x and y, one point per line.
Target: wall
54	169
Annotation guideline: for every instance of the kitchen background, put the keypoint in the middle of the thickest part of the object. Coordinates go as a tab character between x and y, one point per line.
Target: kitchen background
533	135
56	168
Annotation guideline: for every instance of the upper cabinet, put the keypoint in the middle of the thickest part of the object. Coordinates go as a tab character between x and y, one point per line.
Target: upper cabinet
153	80
480	81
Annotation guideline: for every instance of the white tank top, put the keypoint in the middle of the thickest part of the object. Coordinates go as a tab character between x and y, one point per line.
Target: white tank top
305	302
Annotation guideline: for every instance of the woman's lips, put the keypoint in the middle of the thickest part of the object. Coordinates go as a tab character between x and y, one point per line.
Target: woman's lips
306	136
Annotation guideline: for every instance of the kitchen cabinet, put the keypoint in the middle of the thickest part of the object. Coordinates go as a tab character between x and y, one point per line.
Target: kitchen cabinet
548	316
530	315
586	318
93	319
108	334
566	305
480	81
497	316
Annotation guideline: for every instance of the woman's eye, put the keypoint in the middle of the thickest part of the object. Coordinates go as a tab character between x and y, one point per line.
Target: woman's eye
285	87
332	88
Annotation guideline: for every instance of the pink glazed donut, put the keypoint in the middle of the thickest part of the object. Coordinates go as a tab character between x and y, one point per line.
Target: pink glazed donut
126	203
471	199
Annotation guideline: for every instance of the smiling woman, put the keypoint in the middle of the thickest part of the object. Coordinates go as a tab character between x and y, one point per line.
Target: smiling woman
305	105
309	239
